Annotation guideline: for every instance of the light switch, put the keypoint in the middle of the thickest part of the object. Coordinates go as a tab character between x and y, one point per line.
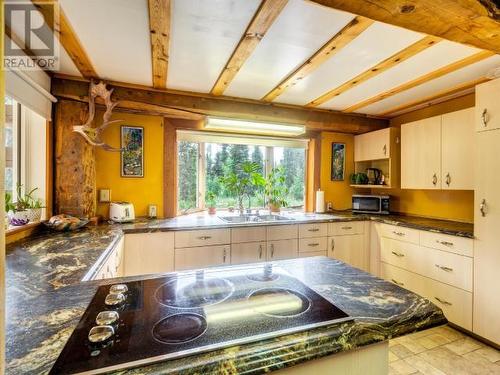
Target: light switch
104	195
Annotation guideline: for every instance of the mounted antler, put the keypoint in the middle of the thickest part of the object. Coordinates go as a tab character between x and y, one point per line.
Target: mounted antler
93	135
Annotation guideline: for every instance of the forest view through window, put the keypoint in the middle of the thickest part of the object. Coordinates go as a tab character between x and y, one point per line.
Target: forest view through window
202	167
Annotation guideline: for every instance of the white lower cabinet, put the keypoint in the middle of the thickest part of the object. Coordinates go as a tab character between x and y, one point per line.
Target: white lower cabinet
348	249
113	265
201	257
248	252
148	253
282	249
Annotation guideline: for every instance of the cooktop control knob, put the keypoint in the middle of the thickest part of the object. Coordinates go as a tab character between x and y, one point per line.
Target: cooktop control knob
107	318
101	334
114	299
118	288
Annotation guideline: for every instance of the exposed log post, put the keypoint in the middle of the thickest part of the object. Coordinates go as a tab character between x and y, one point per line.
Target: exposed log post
75	175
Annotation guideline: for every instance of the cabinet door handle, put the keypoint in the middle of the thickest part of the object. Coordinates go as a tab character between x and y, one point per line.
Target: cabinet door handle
399	255
272	250
204	237
444	302
444	268
484	117
448	179
445	243
400	234
482	208
224	256
397	282
333	244
313	230
313	244
434	179
346	228
385	149
260	251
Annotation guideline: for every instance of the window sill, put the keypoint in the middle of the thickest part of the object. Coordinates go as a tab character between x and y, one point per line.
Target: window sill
16	233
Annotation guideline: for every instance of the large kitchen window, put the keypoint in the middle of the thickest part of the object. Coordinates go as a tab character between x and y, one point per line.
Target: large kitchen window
205	158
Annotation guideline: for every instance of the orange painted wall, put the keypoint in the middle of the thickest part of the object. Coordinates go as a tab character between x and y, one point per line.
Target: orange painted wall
140	191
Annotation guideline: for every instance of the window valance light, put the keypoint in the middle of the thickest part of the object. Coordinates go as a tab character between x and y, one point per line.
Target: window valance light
254	127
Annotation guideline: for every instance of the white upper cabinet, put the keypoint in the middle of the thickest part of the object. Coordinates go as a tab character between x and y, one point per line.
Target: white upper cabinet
487	108
458	147
421	154
372	146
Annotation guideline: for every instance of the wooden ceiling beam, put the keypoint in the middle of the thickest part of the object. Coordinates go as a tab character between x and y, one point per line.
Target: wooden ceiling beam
348	33
392	61
136	97
472	22
159	28
265	16
459	90
422	79
67	36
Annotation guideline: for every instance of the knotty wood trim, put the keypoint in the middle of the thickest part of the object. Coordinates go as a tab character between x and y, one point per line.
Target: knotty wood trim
314	119
347	34
67	36
471	22
463	88
169	169
392	61
267	13
423	79
159	28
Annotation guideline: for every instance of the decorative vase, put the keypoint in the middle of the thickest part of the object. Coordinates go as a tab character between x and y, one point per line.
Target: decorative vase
274	207
212	210
34	214
18	218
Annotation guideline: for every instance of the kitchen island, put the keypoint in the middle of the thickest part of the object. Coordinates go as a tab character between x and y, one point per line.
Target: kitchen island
46	301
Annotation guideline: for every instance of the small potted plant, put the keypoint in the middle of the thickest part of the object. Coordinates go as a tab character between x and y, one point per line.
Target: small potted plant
26	208
210	200
276	190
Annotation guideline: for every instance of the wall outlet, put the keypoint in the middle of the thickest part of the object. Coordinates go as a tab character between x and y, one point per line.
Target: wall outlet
104	195
152	211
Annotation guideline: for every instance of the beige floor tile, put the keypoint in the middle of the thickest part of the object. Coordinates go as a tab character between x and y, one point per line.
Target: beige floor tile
402	368
452	364
449	333
480	362
423	366
412	345
393	357
431	341
489	353
401	351
464	346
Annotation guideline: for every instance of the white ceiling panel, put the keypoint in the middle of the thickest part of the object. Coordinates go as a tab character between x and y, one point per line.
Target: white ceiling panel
433	58
448	81
115	35
374	45
299	31
204	33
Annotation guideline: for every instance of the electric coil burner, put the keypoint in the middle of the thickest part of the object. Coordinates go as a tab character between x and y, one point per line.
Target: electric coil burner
143	322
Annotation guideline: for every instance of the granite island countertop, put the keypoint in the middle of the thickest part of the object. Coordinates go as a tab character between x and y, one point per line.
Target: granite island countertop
46	298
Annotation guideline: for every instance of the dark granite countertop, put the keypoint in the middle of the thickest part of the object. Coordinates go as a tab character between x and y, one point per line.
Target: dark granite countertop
46	298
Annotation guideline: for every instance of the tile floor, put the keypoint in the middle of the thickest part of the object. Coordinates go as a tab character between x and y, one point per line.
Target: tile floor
441	351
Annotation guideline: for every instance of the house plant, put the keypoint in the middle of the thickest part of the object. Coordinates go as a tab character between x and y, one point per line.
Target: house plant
210	201
244	183
25	209
275	189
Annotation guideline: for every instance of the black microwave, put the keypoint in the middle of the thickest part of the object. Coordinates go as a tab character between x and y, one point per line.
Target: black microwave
371	204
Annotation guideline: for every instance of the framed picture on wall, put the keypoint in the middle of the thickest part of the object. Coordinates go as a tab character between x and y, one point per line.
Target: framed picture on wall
338	162
132	156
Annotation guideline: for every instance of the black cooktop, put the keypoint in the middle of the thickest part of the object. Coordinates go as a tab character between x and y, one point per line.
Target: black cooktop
142	322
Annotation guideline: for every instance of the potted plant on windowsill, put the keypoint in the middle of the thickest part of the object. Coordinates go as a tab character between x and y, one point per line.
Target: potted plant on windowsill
210	201
276	190
26	209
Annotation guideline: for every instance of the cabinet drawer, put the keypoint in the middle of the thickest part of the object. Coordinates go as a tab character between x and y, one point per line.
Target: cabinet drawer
455	303
282	232
313	254
201	257
248	252
313	230
282	249
454	244
192	238
313	244
348	227
400	233
252	234
449	268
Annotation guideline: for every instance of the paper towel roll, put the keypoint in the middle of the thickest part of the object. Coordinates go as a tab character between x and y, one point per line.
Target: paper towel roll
320	201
